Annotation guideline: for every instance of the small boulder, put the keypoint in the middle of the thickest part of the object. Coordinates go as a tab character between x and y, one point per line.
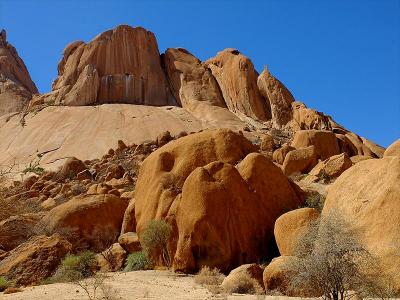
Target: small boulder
332	167
238	279
130	242
280	154
71	168
35	260
325	142
300	160
112	259
267	143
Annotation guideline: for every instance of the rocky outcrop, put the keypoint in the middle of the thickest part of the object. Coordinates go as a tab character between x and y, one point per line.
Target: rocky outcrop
121	65
367	197
237	201
92	221
34	260
237	80
393	149
291	227
278	96
300	161
305	118
16	85
190	80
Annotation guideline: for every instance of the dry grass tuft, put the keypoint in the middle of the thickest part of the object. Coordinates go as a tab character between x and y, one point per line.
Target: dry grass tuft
210	278
243	283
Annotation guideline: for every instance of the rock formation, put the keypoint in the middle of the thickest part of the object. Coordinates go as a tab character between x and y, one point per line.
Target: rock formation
121	65
16	86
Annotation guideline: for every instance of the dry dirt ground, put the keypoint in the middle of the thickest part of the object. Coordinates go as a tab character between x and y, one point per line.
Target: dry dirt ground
131	285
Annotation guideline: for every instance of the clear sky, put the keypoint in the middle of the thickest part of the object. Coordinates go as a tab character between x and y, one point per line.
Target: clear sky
341	57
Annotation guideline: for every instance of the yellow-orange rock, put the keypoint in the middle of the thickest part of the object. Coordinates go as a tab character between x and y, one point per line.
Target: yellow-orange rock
291	227
305	118
301	160
280	154
332	167
89	221
112	259
163	172
16	86
276	275
235	277
278	96
367	197
393	149
190	80
237	79
34	260
121	65
242	202
325	142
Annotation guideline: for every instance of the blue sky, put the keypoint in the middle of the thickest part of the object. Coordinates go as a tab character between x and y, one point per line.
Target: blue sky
340	57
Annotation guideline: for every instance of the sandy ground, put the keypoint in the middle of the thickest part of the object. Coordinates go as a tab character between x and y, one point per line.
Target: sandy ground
131	285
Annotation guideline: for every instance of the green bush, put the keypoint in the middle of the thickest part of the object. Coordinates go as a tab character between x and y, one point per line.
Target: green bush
137	261
4	283
154	239
315	200
75	267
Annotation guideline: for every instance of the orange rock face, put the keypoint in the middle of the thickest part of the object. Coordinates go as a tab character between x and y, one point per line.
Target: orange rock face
278	96
237	79
16	85
393	149
325	142
190	80
118	66
367	197
291	226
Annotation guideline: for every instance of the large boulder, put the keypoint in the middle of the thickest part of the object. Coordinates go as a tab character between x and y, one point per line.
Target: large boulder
16	86
121	65
393	149
367	197
278	96
17	229
300	160
89	221
291	227
237	79
242	202
190	80
325	142
34	260
163	173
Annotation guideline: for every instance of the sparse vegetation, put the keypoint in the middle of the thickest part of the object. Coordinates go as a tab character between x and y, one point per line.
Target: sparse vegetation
332	261
4	283
154	241
137	261
75	267
209	276
315	200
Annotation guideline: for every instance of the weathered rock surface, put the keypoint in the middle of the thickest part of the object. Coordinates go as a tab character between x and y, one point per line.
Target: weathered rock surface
130	242
291	227
121	65
278	96
190	80
276	275
16	85
325	142
301	160
280	154
34	260
367	197
112	259
237	80
393	149
332	167
17	229
305	118
92	221
237	201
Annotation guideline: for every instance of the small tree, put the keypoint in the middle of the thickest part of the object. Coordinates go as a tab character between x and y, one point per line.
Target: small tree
154	240
332	261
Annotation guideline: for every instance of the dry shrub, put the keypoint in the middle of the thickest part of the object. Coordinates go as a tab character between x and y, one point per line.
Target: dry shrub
210	278
243	283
